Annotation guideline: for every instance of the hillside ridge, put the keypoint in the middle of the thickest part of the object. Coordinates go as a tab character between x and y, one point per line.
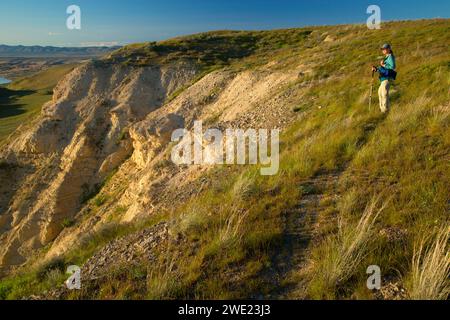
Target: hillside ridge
94	179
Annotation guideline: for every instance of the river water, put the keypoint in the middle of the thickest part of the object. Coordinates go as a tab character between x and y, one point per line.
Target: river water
4	81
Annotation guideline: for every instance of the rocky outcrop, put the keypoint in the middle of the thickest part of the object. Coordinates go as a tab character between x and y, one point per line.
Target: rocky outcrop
79	137
138	246
115	118
149	137
127	251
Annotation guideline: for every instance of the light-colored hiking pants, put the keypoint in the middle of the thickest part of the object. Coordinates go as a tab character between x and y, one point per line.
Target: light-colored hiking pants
383	94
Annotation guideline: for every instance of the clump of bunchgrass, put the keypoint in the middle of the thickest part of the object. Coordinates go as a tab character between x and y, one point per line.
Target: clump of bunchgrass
338	257
430	274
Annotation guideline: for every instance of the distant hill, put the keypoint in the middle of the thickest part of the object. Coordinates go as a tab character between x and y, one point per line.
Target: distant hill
40	51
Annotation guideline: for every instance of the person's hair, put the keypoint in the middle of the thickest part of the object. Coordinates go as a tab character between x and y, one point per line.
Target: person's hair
390	51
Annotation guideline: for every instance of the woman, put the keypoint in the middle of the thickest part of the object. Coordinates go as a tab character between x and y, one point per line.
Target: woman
387	73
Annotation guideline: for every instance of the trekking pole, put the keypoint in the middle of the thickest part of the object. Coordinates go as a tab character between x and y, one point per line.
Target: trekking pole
371	91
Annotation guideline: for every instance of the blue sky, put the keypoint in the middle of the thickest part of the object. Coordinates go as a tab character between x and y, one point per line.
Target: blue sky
31	22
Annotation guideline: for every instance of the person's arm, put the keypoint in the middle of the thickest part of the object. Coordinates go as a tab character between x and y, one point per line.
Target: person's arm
389	63
381	70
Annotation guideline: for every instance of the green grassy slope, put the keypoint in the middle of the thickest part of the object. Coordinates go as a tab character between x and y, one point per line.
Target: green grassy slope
208	49
381	182
21	101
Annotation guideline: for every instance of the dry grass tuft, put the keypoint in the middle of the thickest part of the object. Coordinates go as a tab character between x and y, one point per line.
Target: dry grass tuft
337	259
233	229
430	272
163	280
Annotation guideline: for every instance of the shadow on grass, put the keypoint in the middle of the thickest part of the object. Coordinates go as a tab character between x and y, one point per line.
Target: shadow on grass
8	107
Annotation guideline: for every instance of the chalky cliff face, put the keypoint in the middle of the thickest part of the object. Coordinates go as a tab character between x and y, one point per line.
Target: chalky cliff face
78	141
114	119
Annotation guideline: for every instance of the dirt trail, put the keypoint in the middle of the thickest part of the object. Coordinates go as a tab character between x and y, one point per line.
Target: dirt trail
299	227
301	224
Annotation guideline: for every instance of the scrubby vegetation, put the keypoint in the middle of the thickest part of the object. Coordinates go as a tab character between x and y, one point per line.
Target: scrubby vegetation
392	178
209	49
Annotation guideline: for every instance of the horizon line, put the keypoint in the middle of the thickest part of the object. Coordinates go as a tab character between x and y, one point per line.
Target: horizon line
81	46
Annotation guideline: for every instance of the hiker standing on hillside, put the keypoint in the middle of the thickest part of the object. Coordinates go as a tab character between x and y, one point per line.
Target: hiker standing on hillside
387	73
